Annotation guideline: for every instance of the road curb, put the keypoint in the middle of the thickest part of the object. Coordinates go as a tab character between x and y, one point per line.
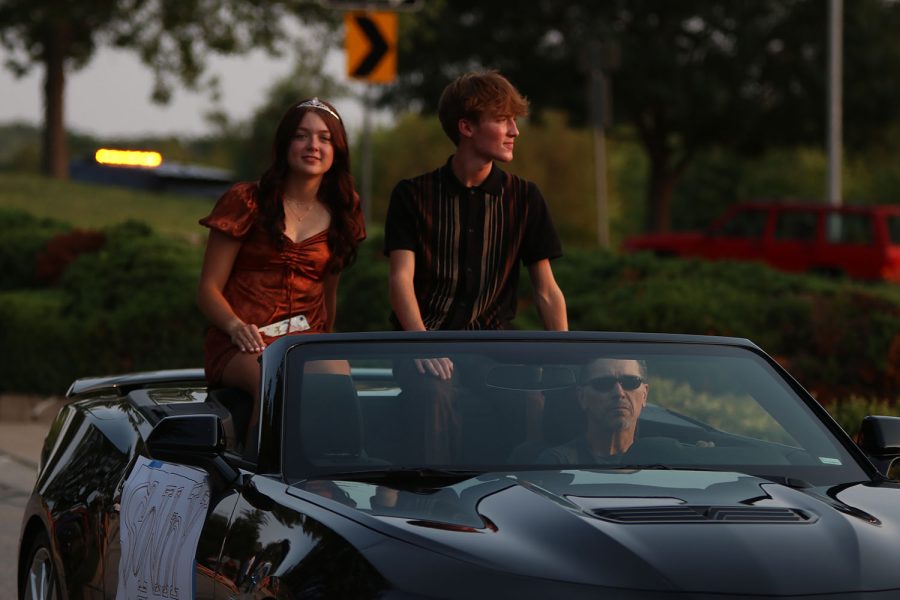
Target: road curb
22	441
24	461
29	408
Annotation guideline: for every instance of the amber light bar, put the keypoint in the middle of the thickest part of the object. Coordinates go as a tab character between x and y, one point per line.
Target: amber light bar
128	158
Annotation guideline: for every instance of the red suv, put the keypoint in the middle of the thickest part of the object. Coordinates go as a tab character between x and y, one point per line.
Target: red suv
858	241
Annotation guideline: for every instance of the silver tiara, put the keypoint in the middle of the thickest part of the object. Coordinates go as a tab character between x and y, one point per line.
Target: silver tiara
316	103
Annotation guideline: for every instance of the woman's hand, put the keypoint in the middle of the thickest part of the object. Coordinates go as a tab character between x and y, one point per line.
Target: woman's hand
246	337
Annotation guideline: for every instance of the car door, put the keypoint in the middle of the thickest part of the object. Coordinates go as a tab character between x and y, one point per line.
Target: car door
280	544
151	548
794	239
850	244
888	239
208	565
738	236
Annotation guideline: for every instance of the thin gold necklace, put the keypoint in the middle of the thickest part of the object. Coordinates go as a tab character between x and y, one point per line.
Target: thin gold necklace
295	214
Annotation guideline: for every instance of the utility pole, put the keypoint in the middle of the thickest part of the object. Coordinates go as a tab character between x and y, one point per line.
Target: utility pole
835	99
600	58
367	154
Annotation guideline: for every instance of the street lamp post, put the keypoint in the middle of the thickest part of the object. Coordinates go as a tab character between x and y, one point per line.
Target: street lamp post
835	100
601	58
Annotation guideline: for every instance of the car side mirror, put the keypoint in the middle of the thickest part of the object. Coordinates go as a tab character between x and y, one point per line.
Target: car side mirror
190	434
879	438
193	440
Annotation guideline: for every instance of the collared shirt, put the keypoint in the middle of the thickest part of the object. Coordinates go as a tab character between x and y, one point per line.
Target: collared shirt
468	243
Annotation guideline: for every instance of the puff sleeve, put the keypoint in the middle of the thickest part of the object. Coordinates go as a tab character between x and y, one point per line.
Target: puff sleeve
235	212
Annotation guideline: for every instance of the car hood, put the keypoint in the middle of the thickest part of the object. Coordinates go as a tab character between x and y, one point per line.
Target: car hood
676	530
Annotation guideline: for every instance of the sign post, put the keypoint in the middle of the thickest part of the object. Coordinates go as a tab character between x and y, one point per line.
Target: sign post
370	44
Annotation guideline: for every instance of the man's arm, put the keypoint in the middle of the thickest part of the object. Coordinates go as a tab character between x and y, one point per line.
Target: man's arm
548	298
405	306
402	292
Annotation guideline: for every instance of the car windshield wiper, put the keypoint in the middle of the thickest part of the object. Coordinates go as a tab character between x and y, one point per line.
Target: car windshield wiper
652	467
609	467
417	476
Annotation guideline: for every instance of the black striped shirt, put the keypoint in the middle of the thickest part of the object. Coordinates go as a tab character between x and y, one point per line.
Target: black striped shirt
468	243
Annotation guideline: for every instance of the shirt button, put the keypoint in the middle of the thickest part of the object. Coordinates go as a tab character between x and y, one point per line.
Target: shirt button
471	230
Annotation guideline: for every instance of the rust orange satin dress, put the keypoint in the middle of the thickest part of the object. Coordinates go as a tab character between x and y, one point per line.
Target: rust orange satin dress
266	284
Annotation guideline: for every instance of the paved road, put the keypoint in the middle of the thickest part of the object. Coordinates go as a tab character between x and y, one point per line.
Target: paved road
20	445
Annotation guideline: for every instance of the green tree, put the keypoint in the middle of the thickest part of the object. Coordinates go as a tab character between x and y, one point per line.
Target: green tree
746	75
172	37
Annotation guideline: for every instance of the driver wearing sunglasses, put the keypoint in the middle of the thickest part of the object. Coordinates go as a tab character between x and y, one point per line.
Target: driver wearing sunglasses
612	393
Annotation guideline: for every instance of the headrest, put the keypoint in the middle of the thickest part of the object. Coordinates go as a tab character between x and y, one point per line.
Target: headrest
330	426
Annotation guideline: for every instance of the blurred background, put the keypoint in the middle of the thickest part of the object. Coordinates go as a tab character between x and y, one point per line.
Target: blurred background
646	116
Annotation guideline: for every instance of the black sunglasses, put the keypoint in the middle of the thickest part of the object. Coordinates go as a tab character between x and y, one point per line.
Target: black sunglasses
606	383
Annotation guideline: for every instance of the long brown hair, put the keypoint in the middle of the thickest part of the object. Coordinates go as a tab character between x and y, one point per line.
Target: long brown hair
336	191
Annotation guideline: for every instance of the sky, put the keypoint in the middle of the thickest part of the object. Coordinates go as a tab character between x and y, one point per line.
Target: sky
111	95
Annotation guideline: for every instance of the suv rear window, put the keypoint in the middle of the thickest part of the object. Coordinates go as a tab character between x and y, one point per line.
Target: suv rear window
850	229
893	224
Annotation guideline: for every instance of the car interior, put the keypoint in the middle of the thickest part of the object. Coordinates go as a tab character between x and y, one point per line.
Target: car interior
365	421
701	411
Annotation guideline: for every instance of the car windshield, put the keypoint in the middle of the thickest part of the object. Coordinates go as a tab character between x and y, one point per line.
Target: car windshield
367	408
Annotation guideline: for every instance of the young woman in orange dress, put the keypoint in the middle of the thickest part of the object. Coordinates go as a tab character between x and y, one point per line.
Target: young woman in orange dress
277	246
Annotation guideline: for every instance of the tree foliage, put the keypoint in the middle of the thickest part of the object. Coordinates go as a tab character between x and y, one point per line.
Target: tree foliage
172	37
685	76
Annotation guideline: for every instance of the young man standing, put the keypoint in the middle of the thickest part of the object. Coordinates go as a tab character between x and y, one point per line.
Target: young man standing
455	236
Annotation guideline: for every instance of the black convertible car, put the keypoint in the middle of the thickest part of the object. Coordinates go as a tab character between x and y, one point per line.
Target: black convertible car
552	465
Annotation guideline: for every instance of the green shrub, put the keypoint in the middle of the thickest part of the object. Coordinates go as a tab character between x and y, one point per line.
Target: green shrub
45	351
363	303
127	306
22	237
61	250
740	415
849	412
135	299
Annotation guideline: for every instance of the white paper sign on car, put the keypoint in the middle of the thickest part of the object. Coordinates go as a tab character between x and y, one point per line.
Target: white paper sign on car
162	511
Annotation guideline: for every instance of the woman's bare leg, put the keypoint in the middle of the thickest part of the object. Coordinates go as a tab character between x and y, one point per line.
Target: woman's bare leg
242	372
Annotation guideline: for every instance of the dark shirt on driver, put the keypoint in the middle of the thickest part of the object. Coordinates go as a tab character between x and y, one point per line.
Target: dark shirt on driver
575	452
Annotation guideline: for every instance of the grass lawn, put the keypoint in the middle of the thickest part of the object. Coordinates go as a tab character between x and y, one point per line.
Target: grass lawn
90	206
